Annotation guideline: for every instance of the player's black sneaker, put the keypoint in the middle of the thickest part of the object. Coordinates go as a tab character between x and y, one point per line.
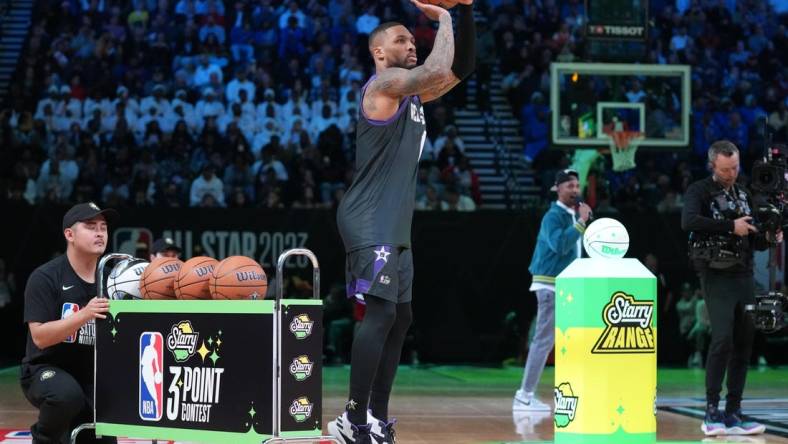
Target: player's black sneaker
382	432
714	422
349	433
736	425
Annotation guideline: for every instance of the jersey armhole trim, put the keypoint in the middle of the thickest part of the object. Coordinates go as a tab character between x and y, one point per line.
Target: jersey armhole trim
380	122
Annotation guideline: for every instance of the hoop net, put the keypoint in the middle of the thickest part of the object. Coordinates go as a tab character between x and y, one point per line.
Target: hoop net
623	147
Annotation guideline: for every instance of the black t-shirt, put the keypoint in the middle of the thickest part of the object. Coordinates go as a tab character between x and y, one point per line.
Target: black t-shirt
54	292
378	207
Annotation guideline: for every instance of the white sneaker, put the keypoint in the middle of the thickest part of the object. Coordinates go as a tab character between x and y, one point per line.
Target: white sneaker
526	424
349	433
382	432
527	402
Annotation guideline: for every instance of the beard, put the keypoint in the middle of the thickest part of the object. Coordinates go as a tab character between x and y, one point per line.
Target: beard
404	63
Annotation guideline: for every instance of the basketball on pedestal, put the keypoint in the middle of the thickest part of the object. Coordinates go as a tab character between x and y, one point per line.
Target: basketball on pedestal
606	238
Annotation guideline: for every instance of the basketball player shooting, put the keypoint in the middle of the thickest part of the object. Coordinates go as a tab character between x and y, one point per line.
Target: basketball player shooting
375	217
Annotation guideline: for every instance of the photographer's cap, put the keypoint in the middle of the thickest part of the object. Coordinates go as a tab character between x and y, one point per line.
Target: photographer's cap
87	211
564	176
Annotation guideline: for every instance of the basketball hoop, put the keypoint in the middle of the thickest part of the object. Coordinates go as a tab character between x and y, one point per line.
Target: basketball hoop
623	147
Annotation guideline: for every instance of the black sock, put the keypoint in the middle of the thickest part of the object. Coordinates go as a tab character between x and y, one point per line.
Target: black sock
368	347
387	370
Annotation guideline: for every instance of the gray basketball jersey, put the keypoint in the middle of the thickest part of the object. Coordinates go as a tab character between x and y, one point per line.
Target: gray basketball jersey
378	207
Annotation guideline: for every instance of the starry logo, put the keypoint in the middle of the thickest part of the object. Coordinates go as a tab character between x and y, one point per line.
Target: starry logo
182	340
301	409
47	374
301	368
301	326
627	326
565	404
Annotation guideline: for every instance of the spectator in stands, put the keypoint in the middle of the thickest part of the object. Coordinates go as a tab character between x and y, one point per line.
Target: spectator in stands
457	202
430	201
240	82
207	184
450	132
295	12
449	155
778	119
636	93
367	21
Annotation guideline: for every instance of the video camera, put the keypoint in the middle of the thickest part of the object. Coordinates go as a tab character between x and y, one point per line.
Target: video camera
770	208
768	311
770	185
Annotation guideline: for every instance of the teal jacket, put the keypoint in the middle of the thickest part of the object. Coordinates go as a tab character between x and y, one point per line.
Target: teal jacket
556	244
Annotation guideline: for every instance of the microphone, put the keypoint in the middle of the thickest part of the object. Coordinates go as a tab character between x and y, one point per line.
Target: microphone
579	201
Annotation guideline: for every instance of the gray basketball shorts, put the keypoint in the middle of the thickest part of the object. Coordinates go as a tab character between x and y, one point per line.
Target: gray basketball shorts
383	271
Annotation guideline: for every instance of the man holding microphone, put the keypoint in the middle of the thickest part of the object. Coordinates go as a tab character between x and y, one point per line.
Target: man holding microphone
558	243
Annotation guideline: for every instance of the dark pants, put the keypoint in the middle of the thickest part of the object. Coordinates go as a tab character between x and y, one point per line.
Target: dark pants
732	333
62	404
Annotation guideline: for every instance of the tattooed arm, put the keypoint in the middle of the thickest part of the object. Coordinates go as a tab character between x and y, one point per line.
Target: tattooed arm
429	81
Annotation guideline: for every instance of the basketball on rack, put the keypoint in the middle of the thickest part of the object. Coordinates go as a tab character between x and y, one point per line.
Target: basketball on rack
192	280
238	277
159	277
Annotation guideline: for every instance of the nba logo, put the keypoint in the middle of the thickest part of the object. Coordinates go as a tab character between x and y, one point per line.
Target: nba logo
69	309
129	240
151	381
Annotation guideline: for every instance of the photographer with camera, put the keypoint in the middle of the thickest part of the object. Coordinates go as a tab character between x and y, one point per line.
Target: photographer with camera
718	213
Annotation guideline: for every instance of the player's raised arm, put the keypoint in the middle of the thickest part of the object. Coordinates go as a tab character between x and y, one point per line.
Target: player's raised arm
444	68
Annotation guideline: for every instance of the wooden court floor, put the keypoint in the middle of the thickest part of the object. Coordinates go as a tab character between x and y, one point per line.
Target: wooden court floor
473	405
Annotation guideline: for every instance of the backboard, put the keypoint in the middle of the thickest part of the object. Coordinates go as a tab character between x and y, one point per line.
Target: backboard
590	99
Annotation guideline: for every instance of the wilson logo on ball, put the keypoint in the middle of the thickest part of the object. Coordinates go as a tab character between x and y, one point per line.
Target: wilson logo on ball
203	271
249	276
171	268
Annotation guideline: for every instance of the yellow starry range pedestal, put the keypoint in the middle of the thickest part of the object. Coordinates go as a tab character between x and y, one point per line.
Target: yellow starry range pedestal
606	353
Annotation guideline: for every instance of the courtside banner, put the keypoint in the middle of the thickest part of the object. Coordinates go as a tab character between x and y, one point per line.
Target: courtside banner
198	371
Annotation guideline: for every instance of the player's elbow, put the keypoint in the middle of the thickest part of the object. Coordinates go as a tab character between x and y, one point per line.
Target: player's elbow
436	74
38	337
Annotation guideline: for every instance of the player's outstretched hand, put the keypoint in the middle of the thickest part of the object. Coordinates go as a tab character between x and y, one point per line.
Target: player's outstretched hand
431	11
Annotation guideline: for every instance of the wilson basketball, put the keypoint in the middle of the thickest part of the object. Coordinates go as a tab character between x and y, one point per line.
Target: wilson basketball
124	280
606	238
158	279
192	280
238	277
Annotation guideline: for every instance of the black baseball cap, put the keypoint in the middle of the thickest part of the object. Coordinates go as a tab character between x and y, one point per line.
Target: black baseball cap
164	244
87	211
564	176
